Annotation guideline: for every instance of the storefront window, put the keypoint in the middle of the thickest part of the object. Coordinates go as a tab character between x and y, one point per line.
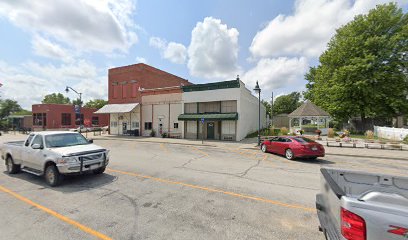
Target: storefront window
65	119
148	126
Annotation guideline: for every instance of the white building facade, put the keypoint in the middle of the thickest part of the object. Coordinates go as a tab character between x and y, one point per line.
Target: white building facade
220	111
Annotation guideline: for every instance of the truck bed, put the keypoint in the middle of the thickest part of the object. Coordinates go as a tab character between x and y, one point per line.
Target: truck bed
15	143
381	200
358	184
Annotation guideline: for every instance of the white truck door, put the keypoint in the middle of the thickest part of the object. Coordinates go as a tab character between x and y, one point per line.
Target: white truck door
25	153
35	157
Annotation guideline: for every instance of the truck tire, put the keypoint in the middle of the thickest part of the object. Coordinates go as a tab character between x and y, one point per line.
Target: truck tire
99	170
11	167
52	176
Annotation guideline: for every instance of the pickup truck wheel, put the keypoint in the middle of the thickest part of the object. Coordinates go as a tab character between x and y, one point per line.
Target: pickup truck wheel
289	154
99	170
52	176
11	167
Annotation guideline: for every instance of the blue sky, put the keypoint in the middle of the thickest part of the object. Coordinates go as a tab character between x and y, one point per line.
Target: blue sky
48	45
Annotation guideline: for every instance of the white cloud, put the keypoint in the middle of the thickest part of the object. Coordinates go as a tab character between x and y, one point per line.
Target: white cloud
158	43
176	53
308	30
275	73
213	51
87	25
45	48
141	60
172	51
28	83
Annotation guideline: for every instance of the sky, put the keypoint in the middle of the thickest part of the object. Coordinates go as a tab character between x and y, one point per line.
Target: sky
48	45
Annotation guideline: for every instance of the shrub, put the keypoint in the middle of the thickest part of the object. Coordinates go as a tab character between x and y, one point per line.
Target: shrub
164	135
284	131
153	133
369	134
405	139
330	133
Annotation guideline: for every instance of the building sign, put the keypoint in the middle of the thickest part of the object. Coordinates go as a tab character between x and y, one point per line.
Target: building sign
77	109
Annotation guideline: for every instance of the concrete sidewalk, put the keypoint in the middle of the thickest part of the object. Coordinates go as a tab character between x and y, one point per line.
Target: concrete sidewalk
252	145
246	144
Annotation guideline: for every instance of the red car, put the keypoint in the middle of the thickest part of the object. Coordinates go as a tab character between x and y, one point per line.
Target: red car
293	147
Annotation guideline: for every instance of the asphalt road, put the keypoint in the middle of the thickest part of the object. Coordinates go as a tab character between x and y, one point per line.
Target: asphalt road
175	191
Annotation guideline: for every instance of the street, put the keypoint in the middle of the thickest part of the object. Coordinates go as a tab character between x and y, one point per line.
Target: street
164	190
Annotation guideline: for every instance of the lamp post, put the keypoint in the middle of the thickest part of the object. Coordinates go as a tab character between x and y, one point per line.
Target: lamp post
79	107
258	90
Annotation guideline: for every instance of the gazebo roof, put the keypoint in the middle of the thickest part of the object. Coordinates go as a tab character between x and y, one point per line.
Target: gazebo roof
309	109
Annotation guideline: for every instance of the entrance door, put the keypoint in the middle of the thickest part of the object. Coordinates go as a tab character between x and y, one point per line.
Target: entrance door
210	130
124	128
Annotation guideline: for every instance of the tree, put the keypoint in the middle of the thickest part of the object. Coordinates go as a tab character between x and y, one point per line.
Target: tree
286	103
268	107
77	102
7	107
97	103
363	72
56	98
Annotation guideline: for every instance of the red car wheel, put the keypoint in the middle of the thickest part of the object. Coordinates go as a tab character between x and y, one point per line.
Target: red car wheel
289	154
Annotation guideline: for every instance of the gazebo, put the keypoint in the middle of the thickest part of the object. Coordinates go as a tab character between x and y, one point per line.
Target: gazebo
309	117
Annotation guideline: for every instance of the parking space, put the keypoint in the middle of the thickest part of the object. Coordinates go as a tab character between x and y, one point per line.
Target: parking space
176	191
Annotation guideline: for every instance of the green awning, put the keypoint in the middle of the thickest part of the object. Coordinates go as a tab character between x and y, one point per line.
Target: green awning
208	116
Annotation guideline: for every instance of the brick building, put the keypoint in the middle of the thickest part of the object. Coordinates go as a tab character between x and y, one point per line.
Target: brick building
129	113
63	116
126	83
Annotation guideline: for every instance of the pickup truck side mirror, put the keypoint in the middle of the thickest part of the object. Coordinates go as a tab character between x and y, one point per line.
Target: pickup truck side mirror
37	146
90	140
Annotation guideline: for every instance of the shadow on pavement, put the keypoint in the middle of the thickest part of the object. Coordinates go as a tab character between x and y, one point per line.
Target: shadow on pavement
73	183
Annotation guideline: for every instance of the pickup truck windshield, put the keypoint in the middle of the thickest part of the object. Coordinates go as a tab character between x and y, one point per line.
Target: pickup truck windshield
65	140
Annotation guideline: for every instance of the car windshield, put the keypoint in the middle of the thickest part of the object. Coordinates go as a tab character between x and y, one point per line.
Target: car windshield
303	140
65	140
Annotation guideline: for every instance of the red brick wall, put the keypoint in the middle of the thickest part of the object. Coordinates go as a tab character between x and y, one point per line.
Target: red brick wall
54	115
124	82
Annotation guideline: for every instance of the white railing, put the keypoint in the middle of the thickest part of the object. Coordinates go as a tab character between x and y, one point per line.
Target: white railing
397	134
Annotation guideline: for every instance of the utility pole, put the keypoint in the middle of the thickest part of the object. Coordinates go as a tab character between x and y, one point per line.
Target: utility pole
272	109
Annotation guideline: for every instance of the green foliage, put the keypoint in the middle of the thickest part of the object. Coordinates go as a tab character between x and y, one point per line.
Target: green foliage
8	107
369	134
268	107
77	102
56	98
153	133
405	140
97	103
22	112
363	72
286	103
284	131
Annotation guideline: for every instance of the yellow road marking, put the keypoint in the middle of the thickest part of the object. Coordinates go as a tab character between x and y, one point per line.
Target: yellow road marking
164	147
198	150
55	214
260	199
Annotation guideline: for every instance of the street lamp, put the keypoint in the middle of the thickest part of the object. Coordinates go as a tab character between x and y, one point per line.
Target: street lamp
258	90
79	107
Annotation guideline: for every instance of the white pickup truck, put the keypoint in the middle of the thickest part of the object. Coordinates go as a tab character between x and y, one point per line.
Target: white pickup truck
54	154
355	205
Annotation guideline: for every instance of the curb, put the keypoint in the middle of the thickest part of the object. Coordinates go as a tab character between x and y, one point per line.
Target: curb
136	140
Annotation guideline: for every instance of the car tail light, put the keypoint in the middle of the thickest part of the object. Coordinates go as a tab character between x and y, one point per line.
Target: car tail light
353	227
